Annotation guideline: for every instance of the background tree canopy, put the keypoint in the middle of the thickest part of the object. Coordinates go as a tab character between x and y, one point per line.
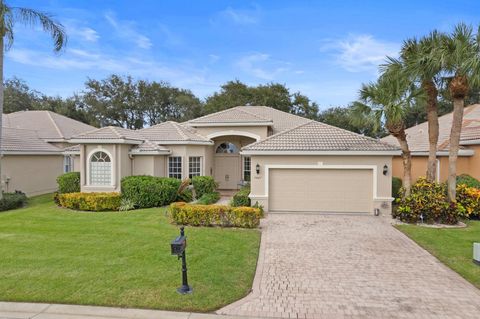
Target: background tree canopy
134	104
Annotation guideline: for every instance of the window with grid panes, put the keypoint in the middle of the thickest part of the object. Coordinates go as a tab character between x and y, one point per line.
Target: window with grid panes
175	167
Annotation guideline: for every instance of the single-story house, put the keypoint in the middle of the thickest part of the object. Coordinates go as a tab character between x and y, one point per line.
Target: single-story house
33	150
468	161
292	163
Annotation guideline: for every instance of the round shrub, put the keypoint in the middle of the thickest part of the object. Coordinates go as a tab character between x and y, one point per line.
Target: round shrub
204	185
468	180
69	182
241	197
12	200
396	185
150	191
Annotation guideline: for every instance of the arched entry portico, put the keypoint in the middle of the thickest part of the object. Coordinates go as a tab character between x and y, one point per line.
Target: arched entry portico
229	168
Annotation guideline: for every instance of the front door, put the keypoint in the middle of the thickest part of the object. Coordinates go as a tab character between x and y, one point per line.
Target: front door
227	171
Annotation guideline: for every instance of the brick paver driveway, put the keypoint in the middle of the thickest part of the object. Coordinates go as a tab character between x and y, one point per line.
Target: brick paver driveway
343	266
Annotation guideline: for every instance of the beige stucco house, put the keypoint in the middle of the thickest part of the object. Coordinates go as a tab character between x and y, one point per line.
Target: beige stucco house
293	164
468	161
33	150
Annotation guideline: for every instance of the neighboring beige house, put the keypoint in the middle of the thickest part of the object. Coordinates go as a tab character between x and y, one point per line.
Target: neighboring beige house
32	149
468	161
293	164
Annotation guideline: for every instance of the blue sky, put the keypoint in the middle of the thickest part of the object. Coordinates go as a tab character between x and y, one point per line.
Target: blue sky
324	49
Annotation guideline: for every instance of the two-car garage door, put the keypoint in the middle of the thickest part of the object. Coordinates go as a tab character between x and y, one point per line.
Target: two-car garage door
321	190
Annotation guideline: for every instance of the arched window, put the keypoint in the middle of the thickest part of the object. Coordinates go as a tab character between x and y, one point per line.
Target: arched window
100	169
226	148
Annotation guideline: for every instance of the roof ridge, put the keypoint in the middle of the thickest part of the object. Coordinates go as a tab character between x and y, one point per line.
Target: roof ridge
242	109
182	134
55	124
114	130
279	133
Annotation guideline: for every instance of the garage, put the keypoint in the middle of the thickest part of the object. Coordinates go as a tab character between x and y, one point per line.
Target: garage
321	190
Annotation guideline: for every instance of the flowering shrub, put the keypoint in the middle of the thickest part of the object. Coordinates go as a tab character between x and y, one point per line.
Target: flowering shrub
469	199
428	202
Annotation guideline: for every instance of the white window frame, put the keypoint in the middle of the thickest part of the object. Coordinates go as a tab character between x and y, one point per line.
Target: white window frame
244	158
112	167
68	164
199	170
171	173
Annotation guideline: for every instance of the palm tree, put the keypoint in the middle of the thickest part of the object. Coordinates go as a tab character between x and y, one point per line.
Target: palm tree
460	57
423	65
386	101
8	17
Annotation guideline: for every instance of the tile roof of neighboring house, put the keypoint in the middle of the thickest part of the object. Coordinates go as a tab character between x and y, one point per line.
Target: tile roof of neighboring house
253	114
49	125
16	140
417	136
317	136
109	133
172	132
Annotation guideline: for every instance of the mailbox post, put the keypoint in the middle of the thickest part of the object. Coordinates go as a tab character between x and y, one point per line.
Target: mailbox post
178	247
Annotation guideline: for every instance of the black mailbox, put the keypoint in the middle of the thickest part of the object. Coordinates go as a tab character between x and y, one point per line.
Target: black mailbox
178	245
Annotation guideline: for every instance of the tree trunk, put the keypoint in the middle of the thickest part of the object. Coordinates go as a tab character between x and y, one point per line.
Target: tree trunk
406	158
458	88
1	107
458	104
432	117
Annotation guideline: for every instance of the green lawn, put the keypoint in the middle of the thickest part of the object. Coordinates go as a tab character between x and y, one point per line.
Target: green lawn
48	254
454	247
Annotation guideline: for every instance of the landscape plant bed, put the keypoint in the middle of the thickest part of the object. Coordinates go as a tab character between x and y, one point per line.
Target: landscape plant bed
452	246
119	259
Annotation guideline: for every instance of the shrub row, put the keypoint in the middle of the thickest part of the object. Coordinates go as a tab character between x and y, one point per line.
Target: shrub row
150	191
241	197
12	201
396	186
214	215
90	201
428	202
209	198
204	185
69	183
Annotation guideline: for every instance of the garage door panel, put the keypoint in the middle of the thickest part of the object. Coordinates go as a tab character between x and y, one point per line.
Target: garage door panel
320	190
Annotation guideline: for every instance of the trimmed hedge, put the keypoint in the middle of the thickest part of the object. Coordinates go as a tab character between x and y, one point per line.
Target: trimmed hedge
69	183
12	201
91	201
150	191
207	199
396	185
241	197
214	215
468	180
204	185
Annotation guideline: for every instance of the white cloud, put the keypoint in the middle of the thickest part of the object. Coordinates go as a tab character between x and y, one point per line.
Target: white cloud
77	59
75	30
360	53
261	66
238	16
125	29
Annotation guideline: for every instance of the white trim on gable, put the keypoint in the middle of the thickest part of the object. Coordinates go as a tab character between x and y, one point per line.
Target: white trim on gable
234	132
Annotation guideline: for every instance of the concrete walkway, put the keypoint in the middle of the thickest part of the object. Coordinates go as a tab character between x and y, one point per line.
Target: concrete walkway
350	266
17	310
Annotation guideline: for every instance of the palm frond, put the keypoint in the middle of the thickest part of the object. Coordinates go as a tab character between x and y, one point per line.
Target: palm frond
32	17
